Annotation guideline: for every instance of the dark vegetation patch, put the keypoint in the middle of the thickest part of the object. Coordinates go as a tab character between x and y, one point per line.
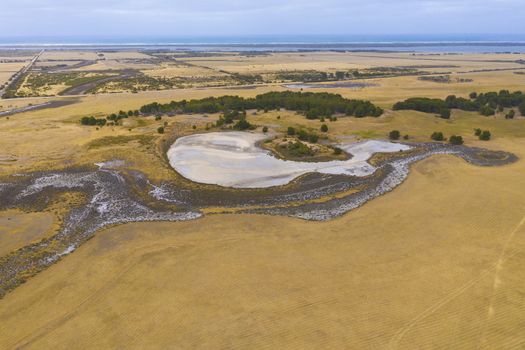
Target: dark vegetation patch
312	105
485	103
143	140
444	79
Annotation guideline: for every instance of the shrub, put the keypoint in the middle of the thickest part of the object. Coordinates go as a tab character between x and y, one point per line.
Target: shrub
337	151
485	135
243	124
406	137
313	138
291	131
455	140
302	135
477	132
437	136
473	95
394	135
522	109
324	128
265	129
487	111
510	115
160	130
445	113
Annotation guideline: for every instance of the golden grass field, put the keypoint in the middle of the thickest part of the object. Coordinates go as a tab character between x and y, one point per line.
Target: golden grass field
435	264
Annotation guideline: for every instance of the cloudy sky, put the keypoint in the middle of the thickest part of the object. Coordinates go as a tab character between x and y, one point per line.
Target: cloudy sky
261	17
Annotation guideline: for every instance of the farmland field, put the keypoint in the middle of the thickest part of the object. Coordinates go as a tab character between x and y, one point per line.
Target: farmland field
434	262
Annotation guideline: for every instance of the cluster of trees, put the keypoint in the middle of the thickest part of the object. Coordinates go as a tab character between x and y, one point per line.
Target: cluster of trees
485	103
396	135
93	121
483	135
313	105
298	149
238	119
111	119
453	140
303	135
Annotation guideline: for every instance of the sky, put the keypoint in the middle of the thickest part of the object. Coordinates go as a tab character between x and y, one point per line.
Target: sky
182	18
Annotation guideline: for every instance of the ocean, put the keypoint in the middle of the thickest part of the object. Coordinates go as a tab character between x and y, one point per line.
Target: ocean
511	43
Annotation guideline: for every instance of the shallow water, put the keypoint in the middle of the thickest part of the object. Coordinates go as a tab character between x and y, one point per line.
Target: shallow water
232	159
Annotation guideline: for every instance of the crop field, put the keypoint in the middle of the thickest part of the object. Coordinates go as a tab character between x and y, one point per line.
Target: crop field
435	263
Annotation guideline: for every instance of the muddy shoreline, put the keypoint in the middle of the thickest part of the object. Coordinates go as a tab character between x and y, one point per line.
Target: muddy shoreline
115	195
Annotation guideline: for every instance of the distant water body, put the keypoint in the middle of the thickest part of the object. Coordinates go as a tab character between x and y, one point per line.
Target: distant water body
414	43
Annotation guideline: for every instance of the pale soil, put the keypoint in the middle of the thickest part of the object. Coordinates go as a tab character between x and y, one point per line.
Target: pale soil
442	268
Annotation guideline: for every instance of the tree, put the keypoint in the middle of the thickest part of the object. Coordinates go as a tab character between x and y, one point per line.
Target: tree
160	130
473	95
302	135
485	135
337	151
265	129
243	124
313	138
394	135
445	113
340	75
437	136
487	111
522	109
455	140
291	131
324	128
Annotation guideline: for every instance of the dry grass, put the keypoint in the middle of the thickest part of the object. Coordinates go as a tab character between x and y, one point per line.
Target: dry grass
442	268
437	263
18	229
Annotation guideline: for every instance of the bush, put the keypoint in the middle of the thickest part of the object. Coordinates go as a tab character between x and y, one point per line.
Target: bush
243	124
510	115
92	121
394	135
455	140
302	135
485	135
473	95
522	109
313	138
437	136
265	129
291	131
160	130
487	111
445	113
338	151
324	128
477	132
406	137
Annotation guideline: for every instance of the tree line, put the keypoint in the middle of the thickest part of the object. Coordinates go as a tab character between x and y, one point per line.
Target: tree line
485	103
312	105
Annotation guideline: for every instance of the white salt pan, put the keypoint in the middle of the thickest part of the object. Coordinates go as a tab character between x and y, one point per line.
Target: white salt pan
232	159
